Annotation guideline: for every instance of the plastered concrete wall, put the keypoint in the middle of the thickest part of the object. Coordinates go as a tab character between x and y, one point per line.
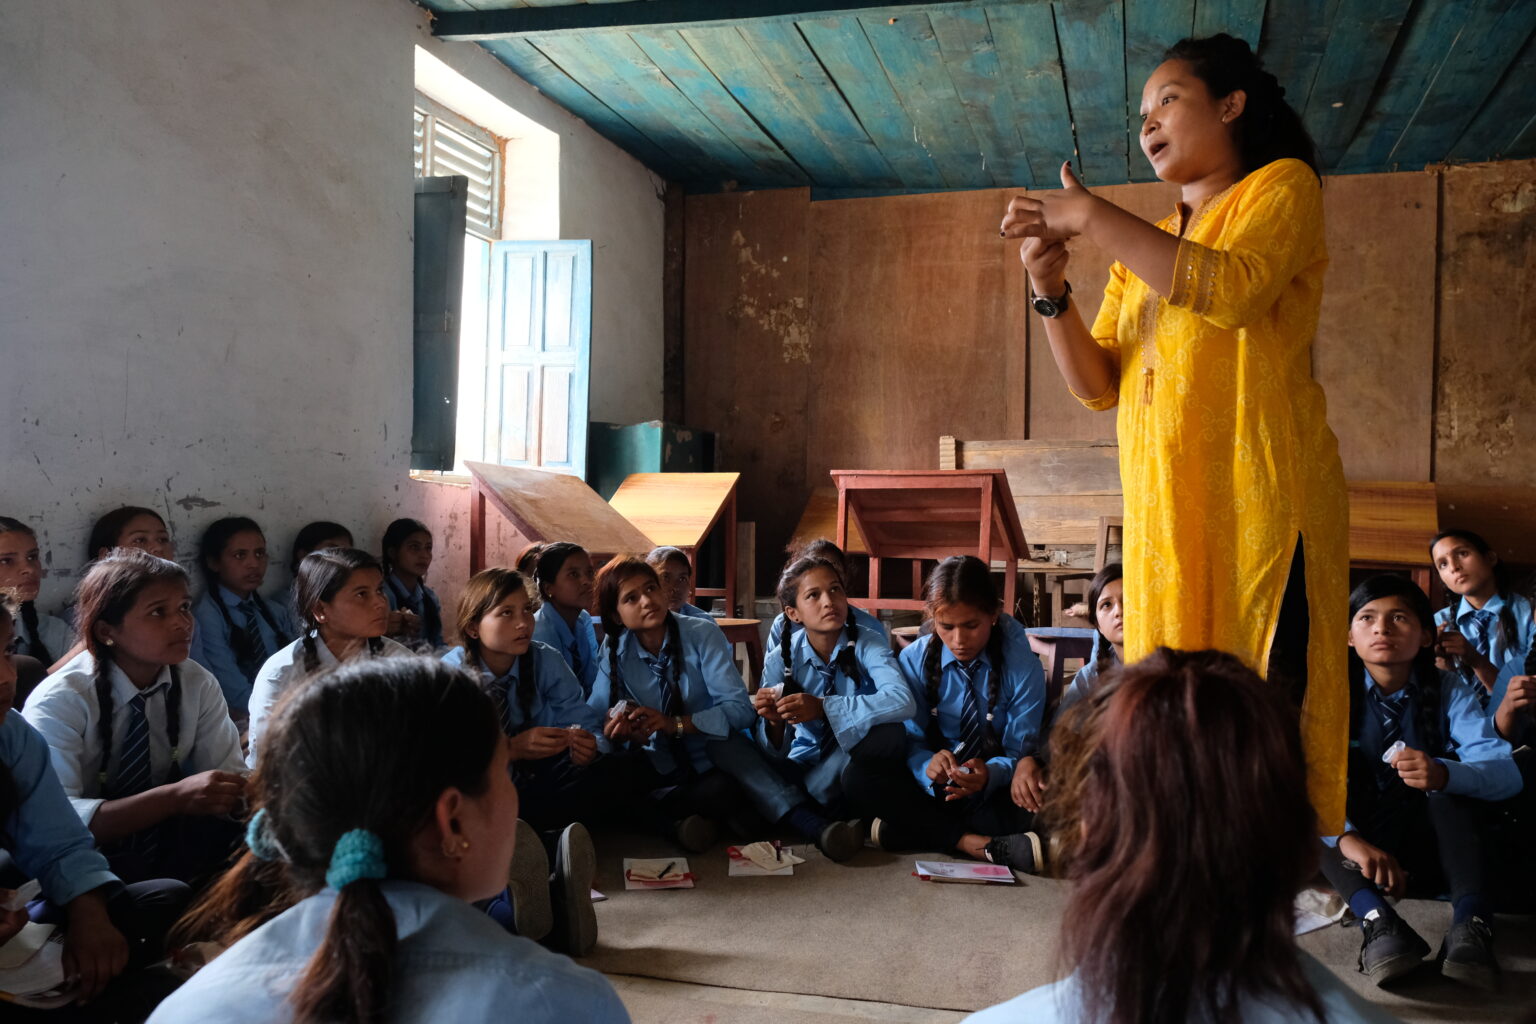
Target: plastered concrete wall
205	280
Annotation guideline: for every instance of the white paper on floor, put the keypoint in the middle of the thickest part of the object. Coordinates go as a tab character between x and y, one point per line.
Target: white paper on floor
1317	908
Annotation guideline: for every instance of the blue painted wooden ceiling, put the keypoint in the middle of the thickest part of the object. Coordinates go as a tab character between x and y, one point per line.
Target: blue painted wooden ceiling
969	94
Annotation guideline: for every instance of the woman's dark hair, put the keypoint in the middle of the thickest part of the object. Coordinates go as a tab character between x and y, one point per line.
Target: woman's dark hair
27	609
967	580
106	595
658	557
396	534
552	559
788	593
1507	624
1423	685
528	559
610	580
1182	774
1269	128
322	574
311	535
1104	577
109	528
484	591
215	539
369	745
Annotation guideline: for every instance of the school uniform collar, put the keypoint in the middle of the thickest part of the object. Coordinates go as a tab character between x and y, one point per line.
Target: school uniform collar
234	601
124	691
844	643
415	595
1371	689
1464	609
947	657
565	632
628	642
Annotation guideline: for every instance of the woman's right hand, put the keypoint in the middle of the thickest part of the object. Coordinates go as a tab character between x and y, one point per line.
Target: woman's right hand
765	703
1377	865
1047	265
1028	787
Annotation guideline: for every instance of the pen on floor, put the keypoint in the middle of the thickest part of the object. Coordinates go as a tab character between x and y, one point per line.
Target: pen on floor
670	865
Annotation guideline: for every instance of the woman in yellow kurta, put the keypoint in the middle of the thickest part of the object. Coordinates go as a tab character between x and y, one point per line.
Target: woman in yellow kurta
1236	516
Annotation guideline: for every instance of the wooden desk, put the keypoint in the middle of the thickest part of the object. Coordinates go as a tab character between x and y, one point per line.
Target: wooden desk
820	520
681	510
929	514
746	633
1055	645
546	506
1390	525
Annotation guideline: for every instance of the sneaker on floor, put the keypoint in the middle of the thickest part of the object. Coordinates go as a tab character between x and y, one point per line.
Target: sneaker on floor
575	922
1390	948
1023	851
840	840
695	833
1467	954
528	883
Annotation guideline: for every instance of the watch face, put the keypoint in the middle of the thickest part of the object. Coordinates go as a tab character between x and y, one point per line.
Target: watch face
1045	307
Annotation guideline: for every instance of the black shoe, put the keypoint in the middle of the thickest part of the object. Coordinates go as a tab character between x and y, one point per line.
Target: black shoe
575	930
889	836
840	840
1467	954
695	833
1390	948
528	884
1022	852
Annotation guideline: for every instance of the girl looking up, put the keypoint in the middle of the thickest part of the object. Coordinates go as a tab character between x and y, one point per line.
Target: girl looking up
825	549
980	694
340	594
1486	623
40	636
238	629
676	574
384	810
141	737
131	527
418	618
565	580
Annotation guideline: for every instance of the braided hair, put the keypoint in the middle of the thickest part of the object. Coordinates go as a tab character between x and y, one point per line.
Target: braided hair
28	610
1106	650
1269	128
788	593
1509	629
215	539
106	595
610	580
482	594
967	580
1423	685
322	574
396	534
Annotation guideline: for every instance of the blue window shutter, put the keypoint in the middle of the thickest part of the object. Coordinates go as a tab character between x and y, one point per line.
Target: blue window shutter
439	294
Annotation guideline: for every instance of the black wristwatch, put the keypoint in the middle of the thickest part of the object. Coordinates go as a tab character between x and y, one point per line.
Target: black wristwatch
1048	307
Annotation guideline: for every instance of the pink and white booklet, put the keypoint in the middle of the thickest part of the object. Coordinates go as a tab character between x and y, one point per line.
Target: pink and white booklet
959	871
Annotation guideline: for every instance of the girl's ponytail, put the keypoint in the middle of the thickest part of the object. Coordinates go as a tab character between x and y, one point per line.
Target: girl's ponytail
349	974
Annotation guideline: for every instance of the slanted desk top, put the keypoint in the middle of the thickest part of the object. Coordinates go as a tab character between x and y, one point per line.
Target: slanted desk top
547	506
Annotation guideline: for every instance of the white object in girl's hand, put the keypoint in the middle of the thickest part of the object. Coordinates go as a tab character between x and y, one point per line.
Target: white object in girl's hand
21	896
1392	751
621	709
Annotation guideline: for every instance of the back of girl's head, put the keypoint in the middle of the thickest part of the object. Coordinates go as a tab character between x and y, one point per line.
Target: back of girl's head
310	537
1269	128
962	579
217	537
610	580
323	573
660	558
369	745
821	547
109	528
551	560
1183	775
528	559
110	587
484	591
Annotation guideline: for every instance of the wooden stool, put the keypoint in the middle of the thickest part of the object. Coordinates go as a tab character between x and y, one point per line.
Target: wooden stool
903	637
745	632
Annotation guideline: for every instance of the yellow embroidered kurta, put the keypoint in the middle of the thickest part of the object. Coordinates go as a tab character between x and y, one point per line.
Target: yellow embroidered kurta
1225	452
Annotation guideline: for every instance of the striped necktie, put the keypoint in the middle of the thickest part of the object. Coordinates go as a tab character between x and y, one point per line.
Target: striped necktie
133	776
255	644
970	714
1481	630
847	662
1389	715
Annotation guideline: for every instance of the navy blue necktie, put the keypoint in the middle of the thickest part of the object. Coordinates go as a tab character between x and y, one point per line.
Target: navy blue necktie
133	774
1389	715
254	642
970	715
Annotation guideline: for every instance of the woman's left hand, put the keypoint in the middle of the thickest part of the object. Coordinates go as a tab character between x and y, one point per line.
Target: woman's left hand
1052	216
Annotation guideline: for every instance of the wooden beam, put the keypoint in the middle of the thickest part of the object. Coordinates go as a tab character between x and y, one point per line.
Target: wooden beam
478	26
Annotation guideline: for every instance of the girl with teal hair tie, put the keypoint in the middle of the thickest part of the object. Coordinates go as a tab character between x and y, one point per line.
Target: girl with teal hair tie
385	809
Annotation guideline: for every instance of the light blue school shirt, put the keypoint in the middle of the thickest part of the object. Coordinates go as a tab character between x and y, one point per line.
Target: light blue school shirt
865	620
415	600
557	698
1490	642
1483	768
52	632
1015	720
214	651
1062	1003
1515	666
1083	682
48	841
855	706
694	611
712	690
579	648
452	963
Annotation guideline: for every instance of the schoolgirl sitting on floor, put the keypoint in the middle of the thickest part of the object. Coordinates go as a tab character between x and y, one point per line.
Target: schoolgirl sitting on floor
41	636
1486	623
416	618
676	574
238	629
824	549
564	575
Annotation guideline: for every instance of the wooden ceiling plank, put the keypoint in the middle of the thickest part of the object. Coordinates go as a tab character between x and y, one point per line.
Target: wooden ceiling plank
1487	45
618	72
909	52
841	46
676	59
970	57
1291	47
1494	131
1092	38
1151	26
1359	43
1241	18
1031	66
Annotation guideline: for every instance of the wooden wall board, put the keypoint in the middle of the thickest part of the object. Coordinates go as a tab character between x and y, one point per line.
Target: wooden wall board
1391	523
676	509
747	350
1485	425
1375	348
1061	488
547	506
1504	515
